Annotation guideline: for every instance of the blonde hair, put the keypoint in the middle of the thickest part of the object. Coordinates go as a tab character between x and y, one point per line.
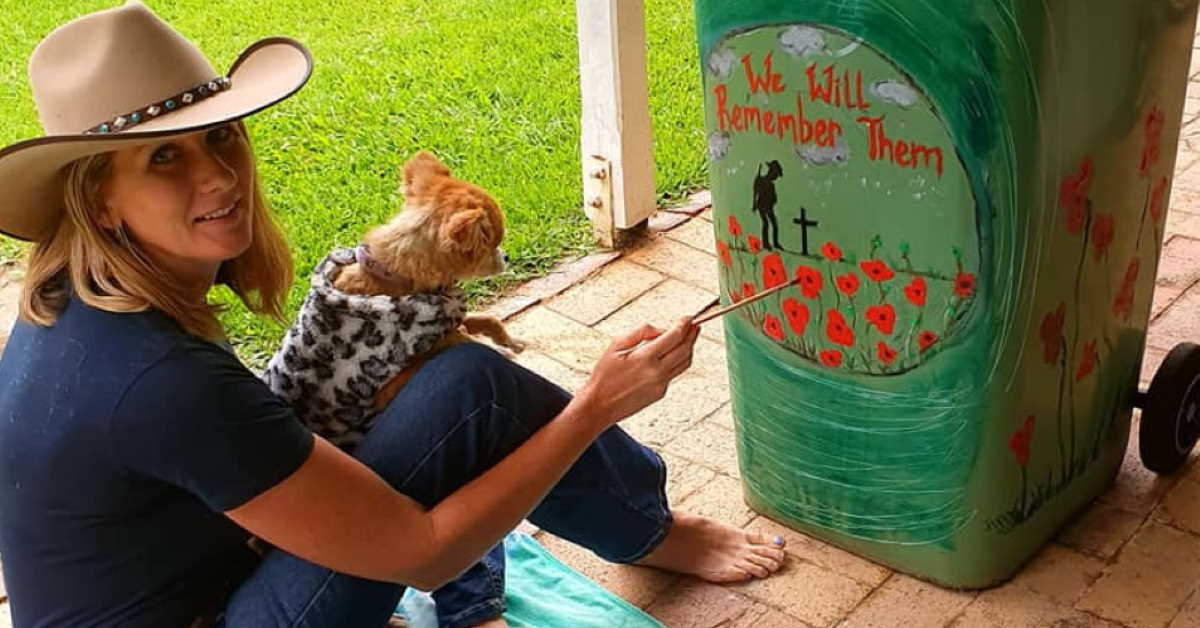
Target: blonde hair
109	271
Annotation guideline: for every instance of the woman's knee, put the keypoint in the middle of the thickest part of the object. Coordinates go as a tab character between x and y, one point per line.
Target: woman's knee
474	375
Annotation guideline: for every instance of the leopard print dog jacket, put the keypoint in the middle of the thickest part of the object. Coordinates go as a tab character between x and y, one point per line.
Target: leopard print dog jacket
343	348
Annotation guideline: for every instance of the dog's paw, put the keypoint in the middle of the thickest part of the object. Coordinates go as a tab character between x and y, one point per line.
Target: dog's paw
516	346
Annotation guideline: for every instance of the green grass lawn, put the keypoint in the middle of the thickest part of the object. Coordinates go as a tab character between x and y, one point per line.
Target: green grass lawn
491	87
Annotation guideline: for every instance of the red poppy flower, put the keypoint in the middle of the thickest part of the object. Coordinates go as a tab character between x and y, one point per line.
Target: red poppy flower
755	244
886	354
831	252
1152	150
831	358
848	284
838	331
1073	196
877	270
964	285
774	274
1087	363
748	290
916	292
883	317
810	281
773	328
735	227
734	296
1123	303
1103	229
1051	334
797	315
723	251
1021	440
1158	200
926	339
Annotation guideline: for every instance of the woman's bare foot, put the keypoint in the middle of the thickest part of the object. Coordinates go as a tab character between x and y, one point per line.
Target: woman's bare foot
714	551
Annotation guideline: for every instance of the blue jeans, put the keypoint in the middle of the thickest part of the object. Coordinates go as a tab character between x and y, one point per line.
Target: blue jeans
463	412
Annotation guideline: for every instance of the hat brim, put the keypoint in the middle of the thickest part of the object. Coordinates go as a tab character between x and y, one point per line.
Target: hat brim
266	73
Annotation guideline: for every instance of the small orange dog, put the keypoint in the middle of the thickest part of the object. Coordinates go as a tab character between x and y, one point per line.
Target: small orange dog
448	231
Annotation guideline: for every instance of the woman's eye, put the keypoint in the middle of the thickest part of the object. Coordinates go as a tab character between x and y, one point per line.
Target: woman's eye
220	135
163	155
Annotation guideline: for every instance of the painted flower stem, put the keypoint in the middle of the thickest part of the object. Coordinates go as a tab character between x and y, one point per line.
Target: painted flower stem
1087	231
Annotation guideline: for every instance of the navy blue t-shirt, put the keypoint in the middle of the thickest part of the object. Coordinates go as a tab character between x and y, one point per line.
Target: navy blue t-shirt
122	440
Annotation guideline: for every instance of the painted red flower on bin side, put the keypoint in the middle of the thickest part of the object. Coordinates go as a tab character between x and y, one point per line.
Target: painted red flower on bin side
723	251
1158	200
774	274
926	340
755	244
883	317
1104	228
917	292
1051	334
810	282
1073	196
1087	363
877	270
838	331
848	284
831	252
748	290
831	358
734	296
1123	303
1153	148
797	315
735	227
886	354
773	328
964	285
1021	440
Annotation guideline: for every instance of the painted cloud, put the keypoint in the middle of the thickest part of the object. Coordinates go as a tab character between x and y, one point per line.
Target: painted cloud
718	145
802	41
896	93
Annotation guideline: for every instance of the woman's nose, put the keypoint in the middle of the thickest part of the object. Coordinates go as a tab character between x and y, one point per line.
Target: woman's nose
215	174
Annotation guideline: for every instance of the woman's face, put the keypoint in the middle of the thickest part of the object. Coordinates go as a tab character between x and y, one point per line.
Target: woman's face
186	200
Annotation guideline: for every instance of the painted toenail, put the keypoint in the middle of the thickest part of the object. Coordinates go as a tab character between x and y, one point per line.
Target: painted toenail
779	541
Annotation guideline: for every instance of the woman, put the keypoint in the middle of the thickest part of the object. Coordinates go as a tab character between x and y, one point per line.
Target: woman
138	456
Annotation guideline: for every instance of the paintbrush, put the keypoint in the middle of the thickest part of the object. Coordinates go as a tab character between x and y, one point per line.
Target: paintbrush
705	317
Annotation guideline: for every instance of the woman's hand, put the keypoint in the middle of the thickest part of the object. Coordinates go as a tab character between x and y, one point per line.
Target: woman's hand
630	377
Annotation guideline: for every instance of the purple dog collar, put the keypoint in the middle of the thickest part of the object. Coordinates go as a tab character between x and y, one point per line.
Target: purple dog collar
362	255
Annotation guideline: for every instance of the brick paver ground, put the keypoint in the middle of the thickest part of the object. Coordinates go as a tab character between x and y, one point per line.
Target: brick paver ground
1132	560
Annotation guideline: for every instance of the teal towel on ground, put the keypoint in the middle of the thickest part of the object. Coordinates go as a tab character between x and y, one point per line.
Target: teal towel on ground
541	592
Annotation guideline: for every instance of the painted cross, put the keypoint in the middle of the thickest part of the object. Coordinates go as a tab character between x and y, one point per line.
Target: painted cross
804	223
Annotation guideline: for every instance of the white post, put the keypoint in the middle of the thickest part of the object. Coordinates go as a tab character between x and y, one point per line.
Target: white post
616	137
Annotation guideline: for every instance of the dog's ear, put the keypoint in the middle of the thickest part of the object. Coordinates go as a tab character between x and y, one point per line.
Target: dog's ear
466	231
422	168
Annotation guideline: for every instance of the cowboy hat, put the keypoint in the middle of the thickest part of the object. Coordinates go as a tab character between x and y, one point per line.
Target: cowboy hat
123	77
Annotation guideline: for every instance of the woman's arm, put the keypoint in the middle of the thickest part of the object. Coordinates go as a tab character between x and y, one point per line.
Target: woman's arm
336	512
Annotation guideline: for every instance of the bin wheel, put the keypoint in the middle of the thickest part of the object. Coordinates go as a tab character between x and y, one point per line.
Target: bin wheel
1171	414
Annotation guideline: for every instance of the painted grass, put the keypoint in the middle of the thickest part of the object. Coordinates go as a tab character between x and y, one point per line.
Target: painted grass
491	87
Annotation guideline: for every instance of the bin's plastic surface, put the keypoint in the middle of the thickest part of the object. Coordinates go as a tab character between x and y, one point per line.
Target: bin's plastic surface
973	193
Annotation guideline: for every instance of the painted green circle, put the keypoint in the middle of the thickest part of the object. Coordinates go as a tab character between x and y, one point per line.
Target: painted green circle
865	163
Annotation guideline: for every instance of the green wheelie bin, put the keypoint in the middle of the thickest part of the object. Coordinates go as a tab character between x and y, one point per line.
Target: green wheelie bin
971	197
